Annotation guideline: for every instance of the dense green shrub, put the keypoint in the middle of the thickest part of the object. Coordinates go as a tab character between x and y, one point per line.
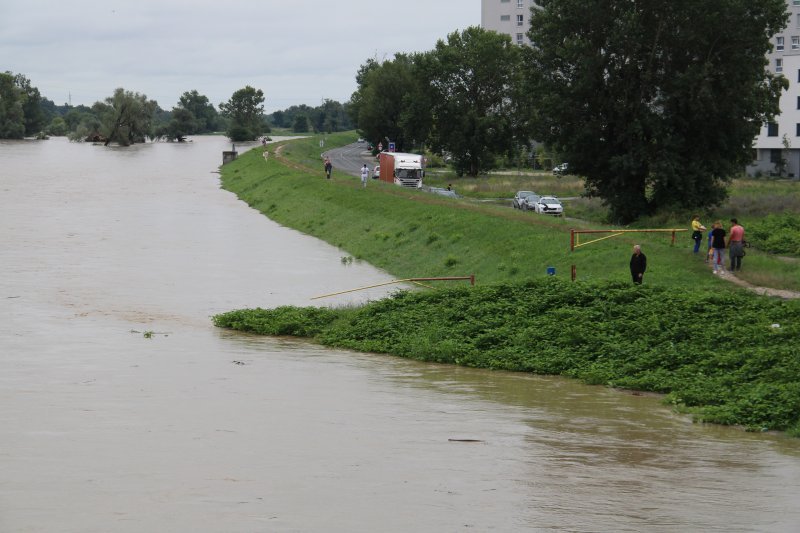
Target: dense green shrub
729	358
778	233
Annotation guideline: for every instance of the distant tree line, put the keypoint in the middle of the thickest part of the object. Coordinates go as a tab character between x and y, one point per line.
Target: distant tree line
655	104
128	117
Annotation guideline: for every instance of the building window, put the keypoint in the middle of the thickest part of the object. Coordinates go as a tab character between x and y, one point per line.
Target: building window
779	44
505	18
519	38
798	102
797	131
795	43
520	21
772	129
520	4
796	2
505	1
779	65
775	156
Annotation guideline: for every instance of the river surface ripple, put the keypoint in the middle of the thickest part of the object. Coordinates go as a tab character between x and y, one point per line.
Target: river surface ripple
197	429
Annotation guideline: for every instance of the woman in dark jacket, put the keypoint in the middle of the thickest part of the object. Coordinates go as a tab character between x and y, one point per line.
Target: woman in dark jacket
718	245
638	264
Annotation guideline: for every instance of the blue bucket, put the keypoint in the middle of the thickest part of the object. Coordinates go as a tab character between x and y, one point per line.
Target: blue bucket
551	271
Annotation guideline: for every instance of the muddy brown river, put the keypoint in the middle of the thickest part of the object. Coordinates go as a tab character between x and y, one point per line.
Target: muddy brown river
122	409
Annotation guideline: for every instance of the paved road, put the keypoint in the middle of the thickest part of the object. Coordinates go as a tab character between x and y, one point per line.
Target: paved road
348	159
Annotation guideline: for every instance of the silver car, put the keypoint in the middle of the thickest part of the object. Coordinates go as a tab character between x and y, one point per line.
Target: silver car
549	205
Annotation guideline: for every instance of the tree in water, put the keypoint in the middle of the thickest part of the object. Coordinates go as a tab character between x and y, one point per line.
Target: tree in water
126	117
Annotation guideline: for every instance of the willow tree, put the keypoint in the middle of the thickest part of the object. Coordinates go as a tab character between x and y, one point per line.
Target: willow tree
655	103
126	117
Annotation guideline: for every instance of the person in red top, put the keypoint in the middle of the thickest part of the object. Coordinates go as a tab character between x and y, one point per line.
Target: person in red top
736	245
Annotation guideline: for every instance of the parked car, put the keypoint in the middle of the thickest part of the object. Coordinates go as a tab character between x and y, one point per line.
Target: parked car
549	205
443	192
561	169
376	172
524	200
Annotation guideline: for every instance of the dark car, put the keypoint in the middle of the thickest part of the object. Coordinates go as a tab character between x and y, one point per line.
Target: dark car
524	200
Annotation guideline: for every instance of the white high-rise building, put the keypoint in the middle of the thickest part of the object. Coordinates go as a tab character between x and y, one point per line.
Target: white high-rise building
780	140
511	17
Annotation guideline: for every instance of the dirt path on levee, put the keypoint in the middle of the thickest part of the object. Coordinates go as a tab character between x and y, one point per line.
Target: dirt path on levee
764	291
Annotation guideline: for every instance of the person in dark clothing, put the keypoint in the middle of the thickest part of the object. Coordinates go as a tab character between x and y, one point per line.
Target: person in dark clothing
328	168
638	264
718	245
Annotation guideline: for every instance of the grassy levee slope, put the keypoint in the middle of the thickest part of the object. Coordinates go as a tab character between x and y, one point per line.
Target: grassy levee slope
725	355
416	234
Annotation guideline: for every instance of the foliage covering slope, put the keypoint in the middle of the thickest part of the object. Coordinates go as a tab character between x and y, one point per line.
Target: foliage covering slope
725	357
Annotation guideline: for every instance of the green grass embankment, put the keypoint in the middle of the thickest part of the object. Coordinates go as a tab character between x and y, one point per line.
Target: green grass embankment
707	344
416	234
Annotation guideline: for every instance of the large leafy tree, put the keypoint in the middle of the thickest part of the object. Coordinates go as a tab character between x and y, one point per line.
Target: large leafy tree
12	116
245	110
204	113
31	105
381	104
126	117
655	103
473	80
180	124
21	110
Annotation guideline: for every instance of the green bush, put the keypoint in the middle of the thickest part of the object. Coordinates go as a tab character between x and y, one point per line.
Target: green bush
728	358
779	234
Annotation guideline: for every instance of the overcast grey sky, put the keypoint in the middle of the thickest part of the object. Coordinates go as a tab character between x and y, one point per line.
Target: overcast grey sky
296	51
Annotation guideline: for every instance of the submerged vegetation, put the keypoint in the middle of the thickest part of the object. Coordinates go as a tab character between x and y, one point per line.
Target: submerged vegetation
725	357
720	353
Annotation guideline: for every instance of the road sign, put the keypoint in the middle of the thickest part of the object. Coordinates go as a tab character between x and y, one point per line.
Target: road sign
391	147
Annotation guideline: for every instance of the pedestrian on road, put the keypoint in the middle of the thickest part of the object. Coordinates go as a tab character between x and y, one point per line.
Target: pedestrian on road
697	232
328	168
364	175
638	264
736	245
718	246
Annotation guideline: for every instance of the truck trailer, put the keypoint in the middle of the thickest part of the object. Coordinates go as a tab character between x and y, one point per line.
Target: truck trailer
402	169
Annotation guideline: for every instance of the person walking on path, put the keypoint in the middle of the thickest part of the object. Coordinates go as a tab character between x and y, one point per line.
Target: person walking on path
328	168
638	264
364	175
718	245
736	245
697	232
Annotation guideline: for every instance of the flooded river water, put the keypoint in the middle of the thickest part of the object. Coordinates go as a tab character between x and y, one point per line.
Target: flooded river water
105	427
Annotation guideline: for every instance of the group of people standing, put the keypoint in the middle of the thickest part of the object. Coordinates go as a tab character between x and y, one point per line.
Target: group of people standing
717	243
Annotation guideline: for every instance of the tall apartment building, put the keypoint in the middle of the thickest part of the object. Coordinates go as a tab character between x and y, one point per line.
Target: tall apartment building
777	141
511	17
781	139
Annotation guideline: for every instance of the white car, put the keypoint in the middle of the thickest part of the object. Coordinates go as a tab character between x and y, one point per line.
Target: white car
549	205
561	169
376	172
